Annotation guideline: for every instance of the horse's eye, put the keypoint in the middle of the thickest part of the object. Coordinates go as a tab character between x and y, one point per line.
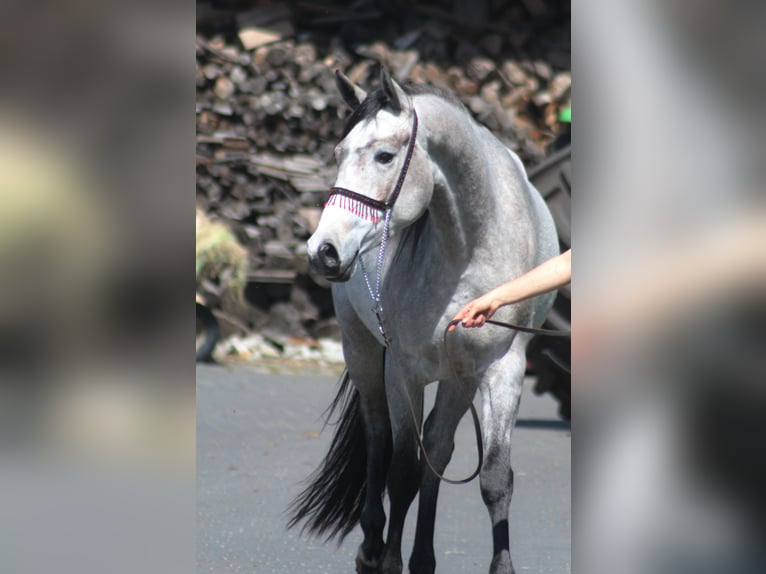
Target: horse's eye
384	157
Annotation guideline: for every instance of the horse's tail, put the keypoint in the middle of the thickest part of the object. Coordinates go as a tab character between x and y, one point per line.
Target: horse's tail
333	500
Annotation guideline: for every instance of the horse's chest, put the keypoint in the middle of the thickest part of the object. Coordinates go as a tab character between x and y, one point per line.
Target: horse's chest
404	321
364	306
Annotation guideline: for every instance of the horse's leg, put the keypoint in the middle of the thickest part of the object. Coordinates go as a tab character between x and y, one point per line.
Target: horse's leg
404	472
439	441
377	432
364	360
501	389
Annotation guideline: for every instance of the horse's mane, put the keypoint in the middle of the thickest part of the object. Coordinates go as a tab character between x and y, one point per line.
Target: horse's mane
377	100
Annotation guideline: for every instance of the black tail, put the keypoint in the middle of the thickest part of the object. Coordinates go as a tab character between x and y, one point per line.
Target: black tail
332	502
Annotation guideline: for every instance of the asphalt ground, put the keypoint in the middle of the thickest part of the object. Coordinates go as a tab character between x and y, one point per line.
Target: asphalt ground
259	436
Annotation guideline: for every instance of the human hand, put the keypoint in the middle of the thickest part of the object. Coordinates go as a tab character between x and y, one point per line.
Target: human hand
475	313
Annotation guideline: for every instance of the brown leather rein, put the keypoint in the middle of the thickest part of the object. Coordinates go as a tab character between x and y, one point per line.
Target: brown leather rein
469	399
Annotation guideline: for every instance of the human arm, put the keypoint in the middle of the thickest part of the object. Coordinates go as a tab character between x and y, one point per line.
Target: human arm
547	276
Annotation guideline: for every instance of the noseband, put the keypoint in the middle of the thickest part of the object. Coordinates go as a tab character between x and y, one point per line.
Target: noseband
367	207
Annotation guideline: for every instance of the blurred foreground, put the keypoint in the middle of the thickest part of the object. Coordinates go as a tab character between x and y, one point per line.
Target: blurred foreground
96	373
669	284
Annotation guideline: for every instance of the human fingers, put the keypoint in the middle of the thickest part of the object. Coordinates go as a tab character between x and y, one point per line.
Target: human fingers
468	320
475	320
458	318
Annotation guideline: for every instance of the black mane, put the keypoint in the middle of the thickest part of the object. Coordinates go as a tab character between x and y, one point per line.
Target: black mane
377	100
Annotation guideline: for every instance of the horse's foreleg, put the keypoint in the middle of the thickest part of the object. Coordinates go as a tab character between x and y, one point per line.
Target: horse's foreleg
439	441
364	360
377	437
404	471
373	518
501	390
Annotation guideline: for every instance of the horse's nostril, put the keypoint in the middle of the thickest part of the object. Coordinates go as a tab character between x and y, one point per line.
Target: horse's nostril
328	255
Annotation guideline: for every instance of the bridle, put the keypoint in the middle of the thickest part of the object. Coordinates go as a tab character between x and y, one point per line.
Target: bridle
370	208
375	204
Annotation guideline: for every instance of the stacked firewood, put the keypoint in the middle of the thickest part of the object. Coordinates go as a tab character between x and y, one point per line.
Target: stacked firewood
268	113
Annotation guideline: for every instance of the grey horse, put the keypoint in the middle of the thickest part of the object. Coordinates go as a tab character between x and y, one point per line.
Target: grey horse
463	218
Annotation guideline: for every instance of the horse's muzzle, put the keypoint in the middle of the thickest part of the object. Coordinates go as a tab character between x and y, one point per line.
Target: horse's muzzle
327	263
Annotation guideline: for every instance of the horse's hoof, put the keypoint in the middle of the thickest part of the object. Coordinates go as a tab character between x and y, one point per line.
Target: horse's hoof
391	565
427	566
501	564
364	566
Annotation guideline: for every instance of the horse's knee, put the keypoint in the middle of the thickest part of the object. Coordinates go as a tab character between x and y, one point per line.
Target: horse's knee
404	472
497	485
403	483
439	446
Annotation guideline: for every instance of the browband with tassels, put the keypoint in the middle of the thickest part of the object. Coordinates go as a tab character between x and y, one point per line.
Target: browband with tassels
367	207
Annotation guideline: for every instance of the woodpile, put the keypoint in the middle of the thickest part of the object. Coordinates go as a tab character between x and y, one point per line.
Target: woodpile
268	113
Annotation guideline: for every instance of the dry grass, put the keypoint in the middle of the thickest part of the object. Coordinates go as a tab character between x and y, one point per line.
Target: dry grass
220	257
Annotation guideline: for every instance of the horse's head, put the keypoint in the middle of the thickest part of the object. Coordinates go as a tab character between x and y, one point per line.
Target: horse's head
380	167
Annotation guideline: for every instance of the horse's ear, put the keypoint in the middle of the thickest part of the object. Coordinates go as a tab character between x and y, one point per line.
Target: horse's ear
396	95
352	94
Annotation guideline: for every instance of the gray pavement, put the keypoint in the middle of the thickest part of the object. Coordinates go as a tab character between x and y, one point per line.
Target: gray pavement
258	438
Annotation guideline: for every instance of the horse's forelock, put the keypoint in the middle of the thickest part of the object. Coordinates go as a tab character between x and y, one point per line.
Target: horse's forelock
378	99
369	108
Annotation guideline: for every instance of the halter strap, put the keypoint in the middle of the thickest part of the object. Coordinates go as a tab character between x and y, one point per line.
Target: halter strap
389	203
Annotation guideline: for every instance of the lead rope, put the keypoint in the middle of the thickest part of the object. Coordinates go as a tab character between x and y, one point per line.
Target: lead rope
375	295
378	310
469	399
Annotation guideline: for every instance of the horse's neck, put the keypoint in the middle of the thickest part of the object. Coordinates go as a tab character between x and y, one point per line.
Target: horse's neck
463	201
